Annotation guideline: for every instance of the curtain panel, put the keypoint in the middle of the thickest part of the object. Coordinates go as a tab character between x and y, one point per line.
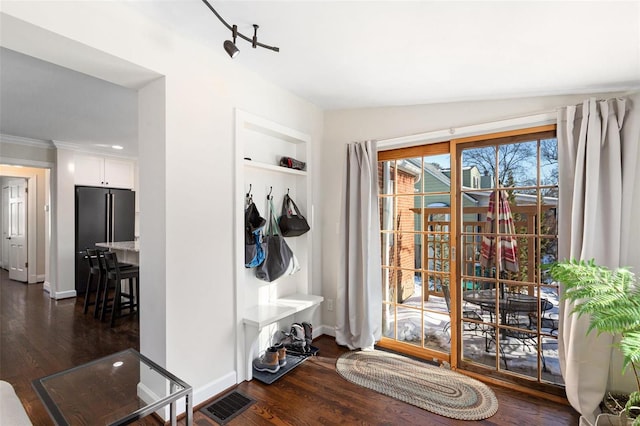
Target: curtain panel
596	167
359	298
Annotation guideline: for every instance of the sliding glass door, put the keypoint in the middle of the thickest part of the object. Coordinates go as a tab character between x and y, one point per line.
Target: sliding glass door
467	227
508	234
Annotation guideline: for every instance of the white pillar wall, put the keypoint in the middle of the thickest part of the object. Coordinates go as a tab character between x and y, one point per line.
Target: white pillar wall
152	195
63	282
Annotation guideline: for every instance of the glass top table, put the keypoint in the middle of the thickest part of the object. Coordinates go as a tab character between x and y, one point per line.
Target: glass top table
115	390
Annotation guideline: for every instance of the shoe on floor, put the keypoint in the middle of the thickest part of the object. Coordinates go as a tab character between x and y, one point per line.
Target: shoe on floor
267	362
282	354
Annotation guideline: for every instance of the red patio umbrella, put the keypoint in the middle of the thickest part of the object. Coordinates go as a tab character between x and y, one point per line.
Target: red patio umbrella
506	247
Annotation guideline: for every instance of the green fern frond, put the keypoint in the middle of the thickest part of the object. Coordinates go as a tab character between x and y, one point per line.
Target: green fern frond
630	348
633	402
611	298
620	319
604	302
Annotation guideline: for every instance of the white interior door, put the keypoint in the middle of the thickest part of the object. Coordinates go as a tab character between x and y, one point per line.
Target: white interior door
17	230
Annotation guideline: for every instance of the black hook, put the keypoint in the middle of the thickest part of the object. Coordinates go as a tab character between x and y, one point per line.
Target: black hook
249	197
270	191
287	191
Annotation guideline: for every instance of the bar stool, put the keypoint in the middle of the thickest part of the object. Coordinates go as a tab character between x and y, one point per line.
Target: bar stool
94	277
101	289
121	300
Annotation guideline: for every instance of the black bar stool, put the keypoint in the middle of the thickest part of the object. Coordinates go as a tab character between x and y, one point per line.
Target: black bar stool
101	289
115	274
93	280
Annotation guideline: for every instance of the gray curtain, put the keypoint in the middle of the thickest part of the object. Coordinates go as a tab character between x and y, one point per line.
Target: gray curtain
596	167
359	298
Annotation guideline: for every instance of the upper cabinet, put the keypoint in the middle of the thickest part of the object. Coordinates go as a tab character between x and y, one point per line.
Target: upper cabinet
109	172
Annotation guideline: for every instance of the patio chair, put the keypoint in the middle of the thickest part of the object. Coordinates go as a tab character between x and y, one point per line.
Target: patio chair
516	311
466	313
545	320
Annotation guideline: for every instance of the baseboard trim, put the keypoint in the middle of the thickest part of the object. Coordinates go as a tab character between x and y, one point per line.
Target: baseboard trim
208	391
64	294
324	329
40	278
200	395
47	287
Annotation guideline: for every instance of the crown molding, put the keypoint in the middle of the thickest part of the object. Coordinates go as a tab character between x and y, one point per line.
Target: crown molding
26	163
19	140
76	147
69	145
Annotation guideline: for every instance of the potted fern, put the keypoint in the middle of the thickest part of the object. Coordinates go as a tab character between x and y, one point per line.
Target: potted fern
612	299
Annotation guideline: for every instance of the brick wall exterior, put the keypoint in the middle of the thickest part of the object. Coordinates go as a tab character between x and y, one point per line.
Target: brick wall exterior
403	251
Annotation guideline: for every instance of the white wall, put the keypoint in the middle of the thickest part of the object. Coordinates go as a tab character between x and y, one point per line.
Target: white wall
186	217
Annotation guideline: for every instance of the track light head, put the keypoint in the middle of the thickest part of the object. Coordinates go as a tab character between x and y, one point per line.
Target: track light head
230	46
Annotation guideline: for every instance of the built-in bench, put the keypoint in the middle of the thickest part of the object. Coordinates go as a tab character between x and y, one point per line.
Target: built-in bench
11	410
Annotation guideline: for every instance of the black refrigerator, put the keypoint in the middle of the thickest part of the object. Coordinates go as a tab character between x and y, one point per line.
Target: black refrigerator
102	215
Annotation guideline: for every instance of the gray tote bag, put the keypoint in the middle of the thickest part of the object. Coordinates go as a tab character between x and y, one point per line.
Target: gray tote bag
278	255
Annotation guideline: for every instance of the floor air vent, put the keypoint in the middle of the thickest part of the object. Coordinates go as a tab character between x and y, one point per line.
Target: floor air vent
225	408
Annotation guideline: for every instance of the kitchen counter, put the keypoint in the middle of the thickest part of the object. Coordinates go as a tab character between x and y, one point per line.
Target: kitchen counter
126	251
121	245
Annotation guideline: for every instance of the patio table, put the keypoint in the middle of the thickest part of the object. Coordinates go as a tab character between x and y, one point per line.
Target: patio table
510	306
509	303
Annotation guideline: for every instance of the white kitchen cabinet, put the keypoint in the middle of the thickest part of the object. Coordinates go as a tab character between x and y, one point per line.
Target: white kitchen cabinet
92	170
264	307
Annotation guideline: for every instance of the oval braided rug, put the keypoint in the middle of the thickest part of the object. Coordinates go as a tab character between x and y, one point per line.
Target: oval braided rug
431	388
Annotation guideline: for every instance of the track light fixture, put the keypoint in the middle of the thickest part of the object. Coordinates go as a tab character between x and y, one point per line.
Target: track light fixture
230	47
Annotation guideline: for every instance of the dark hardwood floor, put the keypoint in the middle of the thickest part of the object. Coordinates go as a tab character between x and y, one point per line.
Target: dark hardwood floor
40	336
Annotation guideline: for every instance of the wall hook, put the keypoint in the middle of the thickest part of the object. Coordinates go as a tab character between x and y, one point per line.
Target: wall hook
249	197
270	191
287	191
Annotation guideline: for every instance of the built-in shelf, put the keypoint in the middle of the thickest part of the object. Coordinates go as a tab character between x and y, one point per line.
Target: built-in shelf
273	168
257	306
264	314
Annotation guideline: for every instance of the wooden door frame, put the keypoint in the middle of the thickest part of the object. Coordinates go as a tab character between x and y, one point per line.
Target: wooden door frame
412	152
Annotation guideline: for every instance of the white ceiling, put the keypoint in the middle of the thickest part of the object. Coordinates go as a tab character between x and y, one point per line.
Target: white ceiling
354	54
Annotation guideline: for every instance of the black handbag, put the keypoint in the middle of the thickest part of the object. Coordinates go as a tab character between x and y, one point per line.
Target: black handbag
279	258
292	225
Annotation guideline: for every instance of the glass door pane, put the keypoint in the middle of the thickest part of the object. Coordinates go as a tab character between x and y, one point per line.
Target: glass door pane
415	200
507	232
